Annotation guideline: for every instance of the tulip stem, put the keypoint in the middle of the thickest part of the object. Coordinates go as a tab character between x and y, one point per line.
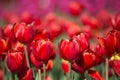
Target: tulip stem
39	74
26	56
15	77
69	74
106	69
44	72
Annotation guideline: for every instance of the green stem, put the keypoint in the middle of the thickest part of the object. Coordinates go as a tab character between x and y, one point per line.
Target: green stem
106	69
26	56
44	72
39	74
69	74
33	71
15	77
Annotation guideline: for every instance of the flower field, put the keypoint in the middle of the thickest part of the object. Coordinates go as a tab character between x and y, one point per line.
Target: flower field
59	40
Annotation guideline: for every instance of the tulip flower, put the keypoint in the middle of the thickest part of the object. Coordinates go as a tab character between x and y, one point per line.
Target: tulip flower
65	66
83	41
87	59
74	8
43	50
69	49
8	31
14	61
23	33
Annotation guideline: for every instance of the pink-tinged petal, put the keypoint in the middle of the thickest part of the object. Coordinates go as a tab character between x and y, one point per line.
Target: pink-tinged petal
116	66
95	75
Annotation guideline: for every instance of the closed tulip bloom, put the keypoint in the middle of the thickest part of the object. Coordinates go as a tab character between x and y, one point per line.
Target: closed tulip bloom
23	33
43	50
83	41
8	31
14	61
69	49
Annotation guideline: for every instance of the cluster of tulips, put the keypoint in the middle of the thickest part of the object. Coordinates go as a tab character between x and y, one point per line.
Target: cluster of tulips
28	51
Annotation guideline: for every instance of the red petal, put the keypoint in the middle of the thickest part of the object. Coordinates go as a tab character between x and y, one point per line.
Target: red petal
95	75
116	66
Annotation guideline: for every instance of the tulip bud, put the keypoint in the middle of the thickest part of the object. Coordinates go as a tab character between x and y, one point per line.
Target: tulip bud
8	31
110	42
74	8
23	33
43	50
14	61
82	39
65	66
69	49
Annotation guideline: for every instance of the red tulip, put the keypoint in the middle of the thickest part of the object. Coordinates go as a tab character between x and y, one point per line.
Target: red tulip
110	42
8	30
69	49
74	8
83	40
43	50
14	61
65	66
87	59
23	33
26	17
90	21
100	48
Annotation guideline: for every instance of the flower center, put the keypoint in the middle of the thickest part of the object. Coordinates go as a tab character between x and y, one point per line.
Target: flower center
115	56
